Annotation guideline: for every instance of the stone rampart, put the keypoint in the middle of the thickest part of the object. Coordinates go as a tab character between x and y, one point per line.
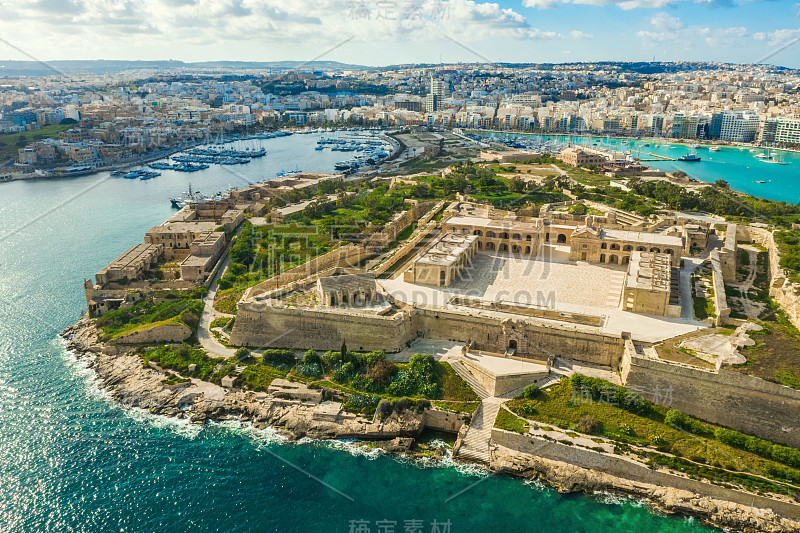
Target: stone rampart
348	255
631	470
166	333
718	280
784	292
726	398
268	325
536	339
444	420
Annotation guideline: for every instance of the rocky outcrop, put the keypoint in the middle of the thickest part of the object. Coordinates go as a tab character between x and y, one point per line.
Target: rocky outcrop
133	384
567	478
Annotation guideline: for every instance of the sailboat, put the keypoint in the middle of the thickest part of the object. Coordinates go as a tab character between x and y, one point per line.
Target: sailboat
774	159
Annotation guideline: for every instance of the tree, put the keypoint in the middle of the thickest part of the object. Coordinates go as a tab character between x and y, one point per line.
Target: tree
344	351
722	184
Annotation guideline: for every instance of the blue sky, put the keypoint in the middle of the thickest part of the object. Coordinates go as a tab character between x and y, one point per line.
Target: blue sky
380	32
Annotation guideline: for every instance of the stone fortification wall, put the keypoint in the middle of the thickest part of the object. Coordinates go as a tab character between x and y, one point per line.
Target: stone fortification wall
261	325
444	420
267	324
348	255
731	399
628	469
718	280
382	237
399	253
167	333
784	292
536	339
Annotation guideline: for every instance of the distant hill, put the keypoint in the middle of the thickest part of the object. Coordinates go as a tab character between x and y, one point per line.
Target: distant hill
9	68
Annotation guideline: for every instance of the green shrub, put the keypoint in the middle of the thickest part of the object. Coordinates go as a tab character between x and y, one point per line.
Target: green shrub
278	357
531	392
373	358
311	357
585	387
682	421
241	354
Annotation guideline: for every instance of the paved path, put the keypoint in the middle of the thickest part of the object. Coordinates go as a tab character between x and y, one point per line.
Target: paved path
204	335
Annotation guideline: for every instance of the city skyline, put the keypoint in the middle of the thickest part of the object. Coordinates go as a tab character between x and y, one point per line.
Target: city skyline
380	33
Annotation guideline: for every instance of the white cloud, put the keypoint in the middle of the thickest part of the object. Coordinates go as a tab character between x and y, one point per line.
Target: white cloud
666	29
577	34
666	21
541	4
647	4
778	37
723	36
303	25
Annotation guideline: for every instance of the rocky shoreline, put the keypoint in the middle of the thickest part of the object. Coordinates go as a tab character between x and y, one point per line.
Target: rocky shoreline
567	479
121	373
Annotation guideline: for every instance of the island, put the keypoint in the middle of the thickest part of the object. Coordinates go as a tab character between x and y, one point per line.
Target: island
634	335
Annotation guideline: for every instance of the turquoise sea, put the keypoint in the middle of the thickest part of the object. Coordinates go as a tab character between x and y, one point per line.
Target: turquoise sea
73	461
737	165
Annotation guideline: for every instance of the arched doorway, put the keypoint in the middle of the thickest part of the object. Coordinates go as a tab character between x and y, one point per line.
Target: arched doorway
490	246
613	259
503	247
602	258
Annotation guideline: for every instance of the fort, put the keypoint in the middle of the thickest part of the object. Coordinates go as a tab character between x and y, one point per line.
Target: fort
506	298
494	282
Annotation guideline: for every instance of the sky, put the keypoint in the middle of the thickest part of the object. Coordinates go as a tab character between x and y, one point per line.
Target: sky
384	32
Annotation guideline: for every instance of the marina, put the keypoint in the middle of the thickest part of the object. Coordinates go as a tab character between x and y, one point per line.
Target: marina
735	164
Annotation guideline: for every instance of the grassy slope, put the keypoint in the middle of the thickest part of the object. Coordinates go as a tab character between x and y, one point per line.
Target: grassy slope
9	147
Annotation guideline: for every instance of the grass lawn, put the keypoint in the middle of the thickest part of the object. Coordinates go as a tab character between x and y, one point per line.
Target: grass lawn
510	422
146	315
258	376
458	407
454	388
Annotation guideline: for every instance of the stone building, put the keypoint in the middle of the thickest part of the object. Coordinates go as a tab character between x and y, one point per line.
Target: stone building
348	290
204	252
498	235
130	265
443	262
649	285
578	158
614	246
177	237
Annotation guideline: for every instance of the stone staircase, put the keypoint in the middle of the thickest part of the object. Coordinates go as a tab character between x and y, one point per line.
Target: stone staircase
471	380
476	442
